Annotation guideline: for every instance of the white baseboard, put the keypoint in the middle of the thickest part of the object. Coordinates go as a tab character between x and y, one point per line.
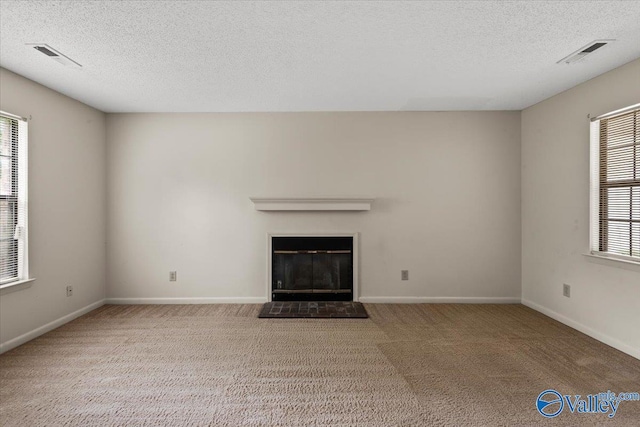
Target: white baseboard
610	341
197	300
440	300
15	342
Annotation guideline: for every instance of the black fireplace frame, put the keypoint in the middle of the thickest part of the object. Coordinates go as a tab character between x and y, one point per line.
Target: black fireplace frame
342	244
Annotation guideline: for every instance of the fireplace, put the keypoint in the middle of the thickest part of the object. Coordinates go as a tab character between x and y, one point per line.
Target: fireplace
317	268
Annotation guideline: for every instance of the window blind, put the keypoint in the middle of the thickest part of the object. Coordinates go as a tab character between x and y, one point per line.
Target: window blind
619	185
13	207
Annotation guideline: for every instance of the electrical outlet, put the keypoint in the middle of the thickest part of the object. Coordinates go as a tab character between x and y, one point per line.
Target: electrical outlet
69	291
404	274
173	276
566	290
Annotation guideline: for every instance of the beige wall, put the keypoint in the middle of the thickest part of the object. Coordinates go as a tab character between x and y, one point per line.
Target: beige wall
447	209
67	211
605	295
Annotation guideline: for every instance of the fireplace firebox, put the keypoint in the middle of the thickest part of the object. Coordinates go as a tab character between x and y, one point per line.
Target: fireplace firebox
312	269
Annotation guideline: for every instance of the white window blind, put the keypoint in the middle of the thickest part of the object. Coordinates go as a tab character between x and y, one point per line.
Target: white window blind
615	181
13	199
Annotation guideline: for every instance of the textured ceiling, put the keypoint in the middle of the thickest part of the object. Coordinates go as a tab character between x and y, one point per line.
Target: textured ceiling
177	56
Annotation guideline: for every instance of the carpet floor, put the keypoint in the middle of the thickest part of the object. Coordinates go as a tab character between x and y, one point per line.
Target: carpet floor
219	365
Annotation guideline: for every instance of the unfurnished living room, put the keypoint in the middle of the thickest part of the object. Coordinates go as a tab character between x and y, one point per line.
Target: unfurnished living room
319	213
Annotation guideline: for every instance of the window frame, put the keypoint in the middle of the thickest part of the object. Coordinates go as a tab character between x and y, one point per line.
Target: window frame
19	196
598	245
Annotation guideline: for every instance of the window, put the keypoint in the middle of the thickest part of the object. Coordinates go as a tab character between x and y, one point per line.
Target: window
615	184
13	199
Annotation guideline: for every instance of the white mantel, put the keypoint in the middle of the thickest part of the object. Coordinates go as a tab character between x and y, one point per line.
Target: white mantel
311	204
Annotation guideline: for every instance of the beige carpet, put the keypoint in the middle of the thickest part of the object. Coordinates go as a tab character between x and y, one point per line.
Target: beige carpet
407	365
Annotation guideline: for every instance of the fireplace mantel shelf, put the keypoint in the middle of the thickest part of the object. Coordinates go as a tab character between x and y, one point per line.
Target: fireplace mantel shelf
311	204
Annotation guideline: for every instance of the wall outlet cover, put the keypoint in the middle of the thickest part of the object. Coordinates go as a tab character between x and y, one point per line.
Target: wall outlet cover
404	274
566	290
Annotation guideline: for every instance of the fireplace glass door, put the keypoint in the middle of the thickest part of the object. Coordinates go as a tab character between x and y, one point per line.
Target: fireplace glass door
312	269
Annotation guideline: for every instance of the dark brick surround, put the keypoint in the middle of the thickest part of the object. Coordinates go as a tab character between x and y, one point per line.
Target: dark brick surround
323	309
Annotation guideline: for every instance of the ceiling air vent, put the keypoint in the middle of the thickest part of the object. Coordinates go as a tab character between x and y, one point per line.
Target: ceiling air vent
581	53
54	54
